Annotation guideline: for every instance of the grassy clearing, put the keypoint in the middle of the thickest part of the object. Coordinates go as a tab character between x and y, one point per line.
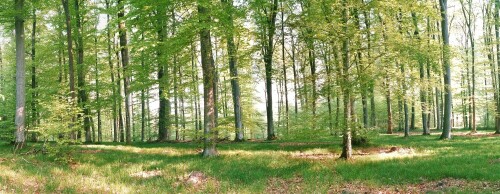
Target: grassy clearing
419	164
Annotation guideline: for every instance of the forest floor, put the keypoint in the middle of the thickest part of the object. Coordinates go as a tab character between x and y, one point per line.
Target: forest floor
389	164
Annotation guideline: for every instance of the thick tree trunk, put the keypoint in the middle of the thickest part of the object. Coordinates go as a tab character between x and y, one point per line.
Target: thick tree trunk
447	73
209	81
20	77
163	80
82	93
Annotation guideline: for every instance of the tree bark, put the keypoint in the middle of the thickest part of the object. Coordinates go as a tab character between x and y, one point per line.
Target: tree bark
497	91
347	137
112	74
122	31
69	39
447	73
209	81
34	113
268	60
233	69
423	88
163	80
20	77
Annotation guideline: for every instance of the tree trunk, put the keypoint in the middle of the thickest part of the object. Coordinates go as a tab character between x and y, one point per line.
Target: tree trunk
20	76
82	93
346	143
119	102
497	91
143	97
389	107
233	71
295	78
71	70
98	92
285	79
163	80
34	114
268	60
423	88
209	81
122	31
447	73
110	64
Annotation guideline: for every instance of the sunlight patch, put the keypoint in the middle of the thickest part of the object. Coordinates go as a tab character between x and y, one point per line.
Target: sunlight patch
146	174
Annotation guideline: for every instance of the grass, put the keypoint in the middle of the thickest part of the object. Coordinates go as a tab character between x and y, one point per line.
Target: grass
463	164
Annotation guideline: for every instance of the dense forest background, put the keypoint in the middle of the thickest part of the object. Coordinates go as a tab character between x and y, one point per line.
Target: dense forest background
124	70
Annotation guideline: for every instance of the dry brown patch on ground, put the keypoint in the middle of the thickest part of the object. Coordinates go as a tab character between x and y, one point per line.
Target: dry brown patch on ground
197	181
279	185
440	186
315	156
301	143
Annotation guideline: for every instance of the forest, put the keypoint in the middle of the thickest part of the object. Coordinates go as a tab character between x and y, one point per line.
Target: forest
249	96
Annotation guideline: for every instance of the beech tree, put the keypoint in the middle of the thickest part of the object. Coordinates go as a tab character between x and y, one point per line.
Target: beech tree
20	76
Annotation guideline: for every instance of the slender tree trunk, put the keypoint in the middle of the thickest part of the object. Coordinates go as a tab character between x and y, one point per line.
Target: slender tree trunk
122	31
71	70
389	108
268	60
98	92
497	91
405	103
20	76
34	113
346	143
143	97
447	73
285	78
423	88
467	13
112	74
233	69
295	78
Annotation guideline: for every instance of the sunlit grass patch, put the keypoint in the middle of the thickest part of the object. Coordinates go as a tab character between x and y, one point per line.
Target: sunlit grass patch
389	161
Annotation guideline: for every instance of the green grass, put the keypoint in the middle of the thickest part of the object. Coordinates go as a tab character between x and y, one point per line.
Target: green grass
261	167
